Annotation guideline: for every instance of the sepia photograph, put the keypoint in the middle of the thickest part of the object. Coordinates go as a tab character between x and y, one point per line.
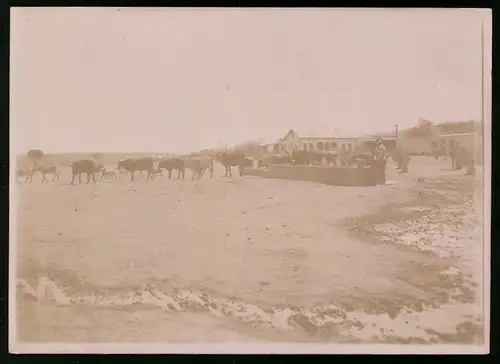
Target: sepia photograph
224	180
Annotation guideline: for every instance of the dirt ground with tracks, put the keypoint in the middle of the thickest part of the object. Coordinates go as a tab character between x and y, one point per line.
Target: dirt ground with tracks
252	259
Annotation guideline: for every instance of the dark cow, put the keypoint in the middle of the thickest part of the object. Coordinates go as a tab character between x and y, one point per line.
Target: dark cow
229	159
140	164
179	164
199	164
89	167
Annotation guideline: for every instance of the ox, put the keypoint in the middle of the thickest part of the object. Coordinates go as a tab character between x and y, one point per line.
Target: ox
84	166
140	164
199	164
170	164
229	159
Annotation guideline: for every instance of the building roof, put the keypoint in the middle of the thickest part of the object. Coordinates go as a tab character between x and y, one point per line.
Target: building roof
452	135
323	133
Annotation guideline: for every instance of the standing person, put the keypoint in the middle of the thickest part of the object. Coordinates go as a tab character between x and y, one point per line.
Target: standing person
404	158
453	156
396	157
379	157
466	159
459	157
470	164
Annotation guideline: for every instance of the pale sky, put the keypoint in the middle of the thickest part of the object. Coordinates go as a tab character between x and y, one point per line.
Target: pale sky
180	80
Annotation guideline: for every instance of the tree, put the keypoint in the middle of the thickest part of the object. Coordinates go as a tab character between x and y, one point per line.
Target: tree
249	147
424	129
456	127
34	155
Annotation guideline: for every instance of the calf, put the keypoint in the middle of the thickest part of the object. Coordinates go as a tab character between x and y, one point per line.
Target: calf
108	175
157	171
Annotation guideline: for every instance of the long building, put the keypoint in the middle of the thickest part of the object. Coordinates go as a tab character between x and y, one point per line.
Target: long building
441	144
294	141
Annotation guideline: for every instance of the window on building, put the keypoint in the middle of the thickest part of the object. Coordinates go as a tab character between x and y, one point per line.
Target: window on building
334	145
343	146
327	146
304	147
349	147
311	146
320	145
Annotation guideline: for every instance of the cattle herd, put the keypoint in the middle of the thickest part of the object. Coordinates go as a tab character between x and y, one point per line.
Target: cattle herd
198	164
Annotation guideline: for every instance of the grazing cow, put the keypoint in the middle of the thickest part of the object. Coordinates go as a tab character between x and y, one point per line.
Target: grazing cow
140	164
199	164
45	171
108	175
229	159
170	164
86	166
23	173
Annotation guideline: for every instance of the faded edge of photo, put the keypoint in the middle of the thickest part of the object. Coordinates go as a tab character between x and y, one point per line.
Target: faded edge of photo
17	347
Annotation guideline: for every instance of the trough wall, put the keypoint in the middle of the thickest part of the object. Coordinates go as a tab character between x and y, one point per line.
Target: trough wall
335	176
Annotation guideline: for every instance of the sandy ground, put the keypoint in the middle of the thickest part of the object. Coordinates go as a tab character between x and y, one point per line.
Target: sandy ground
246	259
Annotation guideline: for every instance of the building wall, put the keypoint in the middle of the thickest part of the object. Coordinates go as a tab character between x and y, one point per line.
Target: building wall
290	142
414	145
444	143
293	142
327	143
440	144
